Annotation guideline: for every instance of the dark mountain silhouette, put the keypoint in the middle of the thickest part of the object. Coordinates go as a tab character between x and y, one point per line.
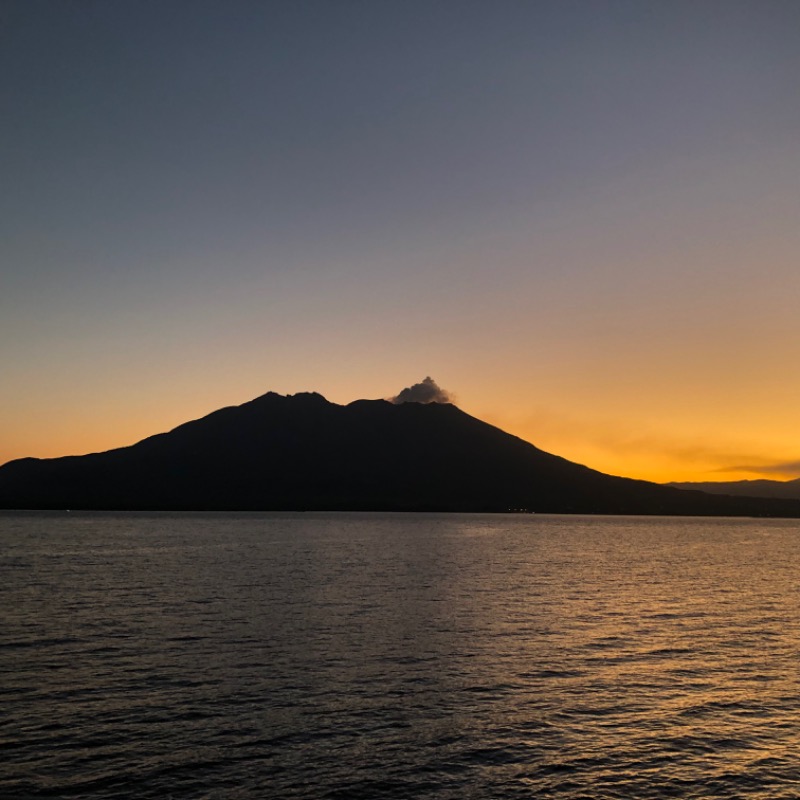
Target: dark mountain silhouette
789	490
302	452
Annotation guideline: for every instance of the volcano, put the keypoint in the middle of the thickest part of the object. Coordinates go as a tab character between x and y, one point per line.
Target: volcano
301	452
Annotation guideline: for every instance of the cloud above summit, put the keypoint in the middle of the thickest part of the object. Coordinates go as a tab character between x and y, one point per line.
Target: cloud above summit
427	391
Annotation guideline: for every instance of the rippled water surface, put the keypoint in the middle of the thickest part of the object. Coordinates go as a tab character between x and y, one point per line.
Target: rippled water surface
398	656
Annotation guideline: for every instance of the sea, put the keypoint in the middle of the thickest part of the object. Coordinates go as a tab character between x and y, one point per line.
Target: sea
349	656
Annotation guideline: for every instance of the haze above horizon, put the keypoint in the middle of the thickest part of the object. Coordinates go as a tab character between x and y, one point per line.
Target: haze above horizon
579	218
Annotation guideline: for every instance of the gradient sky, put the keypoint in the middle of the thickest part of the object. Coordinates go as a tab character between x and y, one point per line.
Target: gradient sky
581	218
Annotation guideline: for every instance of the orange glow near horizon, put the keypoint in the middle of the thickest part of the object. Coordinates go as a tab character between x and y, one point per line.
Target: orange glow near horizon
681	449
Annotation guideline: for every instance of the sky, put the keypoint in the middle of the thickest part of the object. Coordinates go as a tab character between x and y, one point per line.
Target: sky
579	218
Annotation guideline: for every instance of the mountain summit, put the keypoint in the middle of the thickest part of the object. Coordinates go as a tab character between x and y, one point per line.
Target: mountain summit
301	452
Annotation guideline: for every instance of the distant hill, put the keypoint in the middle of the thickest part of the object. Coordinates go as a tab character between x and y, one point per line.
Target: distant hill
303	453
789	490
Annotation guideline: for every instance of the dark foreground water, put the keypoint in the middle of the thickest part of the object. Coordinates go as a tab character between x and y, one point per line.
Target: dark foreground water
398	656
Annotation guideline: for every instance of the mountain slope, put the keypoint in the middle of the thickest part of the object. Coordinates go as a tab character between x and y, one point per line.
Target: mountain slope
789	490
302	452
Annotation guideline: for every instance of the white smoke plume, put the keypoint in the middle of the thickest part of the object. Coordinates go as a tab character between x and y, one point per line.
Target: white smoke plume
426	392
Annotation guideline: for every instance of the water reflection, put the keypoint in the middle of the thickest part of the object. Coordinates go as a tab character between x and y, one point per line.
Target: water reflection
399	656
